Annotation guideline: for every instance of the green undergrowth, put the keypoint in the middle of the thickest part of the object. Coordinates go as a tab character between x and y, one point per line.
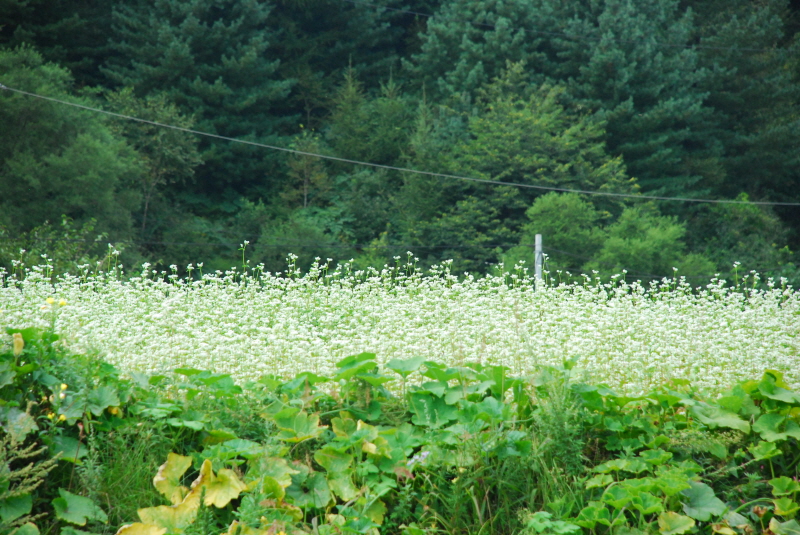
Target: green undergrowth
410	447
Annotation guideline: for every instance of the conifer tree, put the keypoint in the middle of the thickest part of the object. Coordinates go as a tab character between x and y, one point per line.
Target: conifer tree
212	60
626	61
71	33
756	100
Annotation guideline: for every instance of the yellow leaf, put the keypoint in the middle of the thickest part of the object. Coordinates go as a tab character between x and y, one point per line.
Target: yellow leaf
172	517
219	489
376	511
244	530
137	528
722	529
167	480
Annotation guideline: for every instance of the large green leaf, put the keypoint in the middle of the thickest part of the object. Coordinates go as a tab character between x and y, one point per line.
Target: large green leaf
655	457
333	460
593	514
764	450
27	529
773	386
772	429
716	417
19	424
77	509
7	373
100	399
70	449
646	503
784	528
355	364
782	486
431	411
785	507
309	490
702	503
405	367
299	427
15	507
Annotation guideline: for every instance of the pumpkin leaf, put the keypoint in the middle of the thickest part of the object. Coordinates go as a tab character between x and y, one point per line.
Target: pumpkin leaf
168	479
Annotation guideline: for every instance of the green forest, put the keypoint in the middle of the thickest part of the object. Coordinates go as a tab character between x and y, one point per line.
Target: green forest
639	98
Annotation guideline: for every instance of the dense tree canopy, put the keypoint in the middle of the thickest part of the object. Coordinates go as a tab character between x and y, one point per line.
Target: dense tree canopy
675	98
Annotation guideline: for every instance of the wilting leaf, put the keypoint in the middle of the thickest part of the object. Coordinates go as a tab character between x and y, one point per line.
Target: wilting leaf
332	460
220	489
784	528
168	479
341	484
137	528
172	517
671	523
278	469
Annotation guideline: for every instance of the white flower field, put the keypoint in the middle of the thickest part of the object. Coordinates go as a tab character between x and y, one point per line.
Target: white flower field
630	336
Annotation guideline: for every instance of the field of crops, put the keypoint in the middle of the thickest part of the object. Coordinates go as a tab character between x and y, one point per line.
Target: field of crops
628	335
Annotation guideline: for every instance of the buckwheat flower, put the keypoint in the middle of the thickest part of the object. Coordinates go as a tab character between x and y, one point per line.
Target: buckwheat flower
19	344
418	458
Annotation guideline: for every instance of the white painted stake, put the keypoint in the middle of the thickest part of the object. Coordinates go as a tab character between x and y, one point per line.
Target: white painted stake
539	258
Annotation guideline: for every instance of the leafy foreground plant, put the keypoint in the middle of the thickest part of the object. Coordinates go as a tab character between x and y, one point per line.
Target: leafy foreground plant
451	450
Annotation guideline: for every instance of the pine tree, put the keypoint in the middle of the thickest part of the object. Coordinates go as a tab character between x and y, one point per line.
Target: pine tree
755	98
71	33
468	43
626	61
317	50
211	58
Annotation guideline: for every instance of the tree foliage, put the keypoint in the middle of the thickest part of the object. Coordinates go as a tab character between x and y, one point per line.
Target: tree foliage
57	160
677	98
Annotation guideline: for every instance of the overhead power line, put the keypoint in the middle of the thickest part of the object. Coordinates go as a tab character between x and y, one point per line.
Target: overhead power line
392	167
572	37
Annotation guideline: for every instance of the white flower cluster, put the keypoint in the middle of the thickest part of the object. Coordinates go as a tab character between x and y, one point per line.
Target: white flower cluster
628	335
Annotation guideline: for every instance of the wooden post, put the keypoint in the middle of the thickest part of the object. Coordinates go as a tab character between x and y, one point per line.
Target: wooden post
539	258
